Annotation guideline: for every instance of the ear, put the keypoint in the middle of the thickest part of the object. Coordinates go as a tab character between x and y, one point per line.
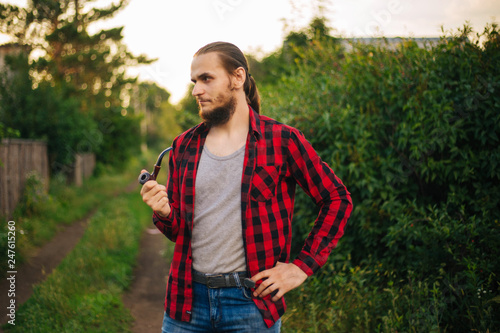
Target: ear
239	77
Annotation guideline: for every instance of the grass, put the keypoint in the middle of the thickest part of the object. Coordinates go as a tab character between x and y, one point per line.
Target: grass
40	215
83	294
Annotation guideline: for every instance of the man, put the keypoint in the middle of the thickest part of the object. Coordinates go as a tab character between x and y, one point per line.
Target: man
229	202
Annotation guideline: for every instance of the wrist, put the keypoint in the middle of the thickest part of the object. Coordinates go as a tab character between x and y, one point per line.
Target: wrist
162	215
303	267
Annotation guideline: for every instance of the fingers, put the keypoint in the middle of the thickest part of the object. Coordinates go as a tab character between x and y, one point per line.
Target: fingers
150	188
155	196
270	284
160	205
278	280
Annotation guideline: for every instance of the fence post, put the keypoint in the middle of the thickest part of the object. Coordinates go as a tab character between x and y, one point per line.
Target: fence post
18	158
83	167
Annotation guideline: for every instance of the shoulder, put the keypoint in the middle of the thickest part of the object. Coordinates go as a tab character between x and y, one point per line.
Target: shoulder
272	128
187	135
181	142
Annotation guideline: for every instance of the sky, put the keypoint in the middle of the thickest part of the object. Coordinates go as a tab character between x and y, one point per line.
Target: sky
172	31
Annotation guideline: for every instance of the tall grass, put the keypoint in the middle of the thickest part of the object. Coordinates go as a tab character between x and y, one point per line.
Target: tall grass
83	294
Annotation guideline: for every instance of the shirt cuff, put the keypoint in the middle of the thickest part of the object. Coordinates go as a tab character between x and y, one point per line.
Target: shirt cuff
306	263
158	218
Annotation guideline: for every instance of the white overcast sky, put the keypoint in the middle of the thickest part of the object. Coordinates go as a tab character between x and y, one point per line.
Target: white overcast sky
172	31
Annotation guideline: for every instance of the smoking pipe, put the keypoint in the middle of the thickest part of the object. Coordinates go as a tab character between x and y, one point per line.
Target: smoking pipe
145	176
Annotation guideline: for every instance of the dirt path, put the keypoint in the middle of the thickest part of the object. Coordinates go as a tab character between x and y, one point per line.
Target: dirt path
146	295
41	264
43	261
145	298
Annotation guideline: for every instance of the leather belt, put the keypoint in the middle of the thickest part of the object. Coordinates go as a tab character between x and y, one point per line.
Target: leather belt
223	280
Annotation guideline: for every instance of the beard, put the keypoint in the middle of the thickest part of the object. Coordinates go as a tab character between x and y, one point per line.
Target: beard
220	115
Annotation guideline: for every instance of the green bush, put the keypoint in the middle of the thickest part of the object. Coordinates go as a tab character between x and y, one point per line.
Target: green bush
413	131
34	197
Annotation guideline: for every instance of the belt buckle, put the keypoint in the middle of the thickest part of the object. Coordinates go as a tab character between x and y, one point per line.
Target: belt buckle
249	283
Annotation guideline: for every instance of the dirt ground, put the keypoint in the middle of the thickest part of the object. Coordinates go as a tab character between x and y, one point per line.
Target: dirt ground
41	264
145	297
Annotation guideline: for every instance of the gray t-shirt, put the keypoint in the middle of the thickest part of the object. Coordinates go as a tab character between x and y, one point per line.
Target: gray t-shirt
217	240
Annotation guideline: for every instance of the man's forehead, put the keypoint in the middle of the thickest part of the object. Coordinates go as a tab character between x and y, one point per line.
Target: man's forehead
209	62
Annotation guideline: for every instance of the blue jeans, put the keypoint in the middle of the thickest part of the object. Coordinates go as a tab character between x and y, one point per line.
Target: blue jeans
221	310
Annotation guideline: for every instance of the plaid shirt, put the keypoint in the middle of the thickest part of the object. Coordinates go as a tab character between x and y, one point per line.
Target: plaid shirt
277	157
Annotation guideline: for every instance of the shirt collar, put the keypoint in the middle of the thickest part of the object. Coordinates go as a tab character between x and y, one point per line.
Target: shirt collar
200	128
254	126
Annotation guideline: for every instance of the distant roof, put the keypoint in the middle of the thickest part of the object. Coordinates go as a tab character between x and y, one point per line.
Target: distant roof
391	41
10	48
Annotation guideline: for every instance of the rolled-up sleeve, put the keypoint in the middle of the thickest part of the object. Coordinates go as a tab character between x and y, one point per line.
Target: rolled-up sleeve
328	192
169	225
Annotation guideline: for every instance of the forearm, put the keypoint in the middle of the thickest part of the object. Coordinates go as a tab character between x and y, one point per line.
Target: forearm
328	228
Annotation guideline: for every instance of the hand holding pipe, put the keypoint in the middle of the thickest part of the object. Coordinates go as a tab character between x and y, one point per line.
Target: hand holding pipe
145	176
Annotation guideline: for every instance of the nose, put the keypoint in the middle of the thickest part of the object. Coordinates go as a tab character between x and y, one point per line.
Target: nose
197	90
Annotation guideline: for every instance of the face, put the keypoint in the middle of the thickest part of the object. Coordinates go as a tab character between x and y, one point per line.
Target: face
212	89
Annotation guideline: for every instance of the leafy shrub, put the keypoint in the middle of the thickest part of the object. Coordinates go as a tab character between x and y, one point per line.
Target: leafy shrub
34	197
413	131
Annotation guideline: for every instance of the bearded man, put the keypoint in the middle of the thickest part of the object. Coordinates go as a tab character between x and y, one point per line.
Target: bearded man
228	206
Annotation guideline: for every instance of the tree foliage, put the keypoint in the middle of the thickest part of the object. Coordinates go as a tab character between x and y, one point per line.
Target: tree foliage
160	116
42	113
281	63
86	71
188	110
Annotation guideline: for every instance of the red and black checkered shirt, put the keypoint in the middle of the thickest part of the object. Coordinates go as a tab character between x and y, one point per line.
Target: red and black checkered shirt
277	157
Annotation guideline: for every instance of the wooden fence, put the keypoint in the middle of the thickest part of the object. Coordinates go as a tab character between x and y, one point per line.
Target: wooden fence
83	168
18	158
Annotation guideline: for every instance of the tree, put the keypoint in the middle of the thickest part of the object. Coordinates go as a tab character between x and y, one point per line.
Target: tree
159	123
188	110
91	68
27	110
283	62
